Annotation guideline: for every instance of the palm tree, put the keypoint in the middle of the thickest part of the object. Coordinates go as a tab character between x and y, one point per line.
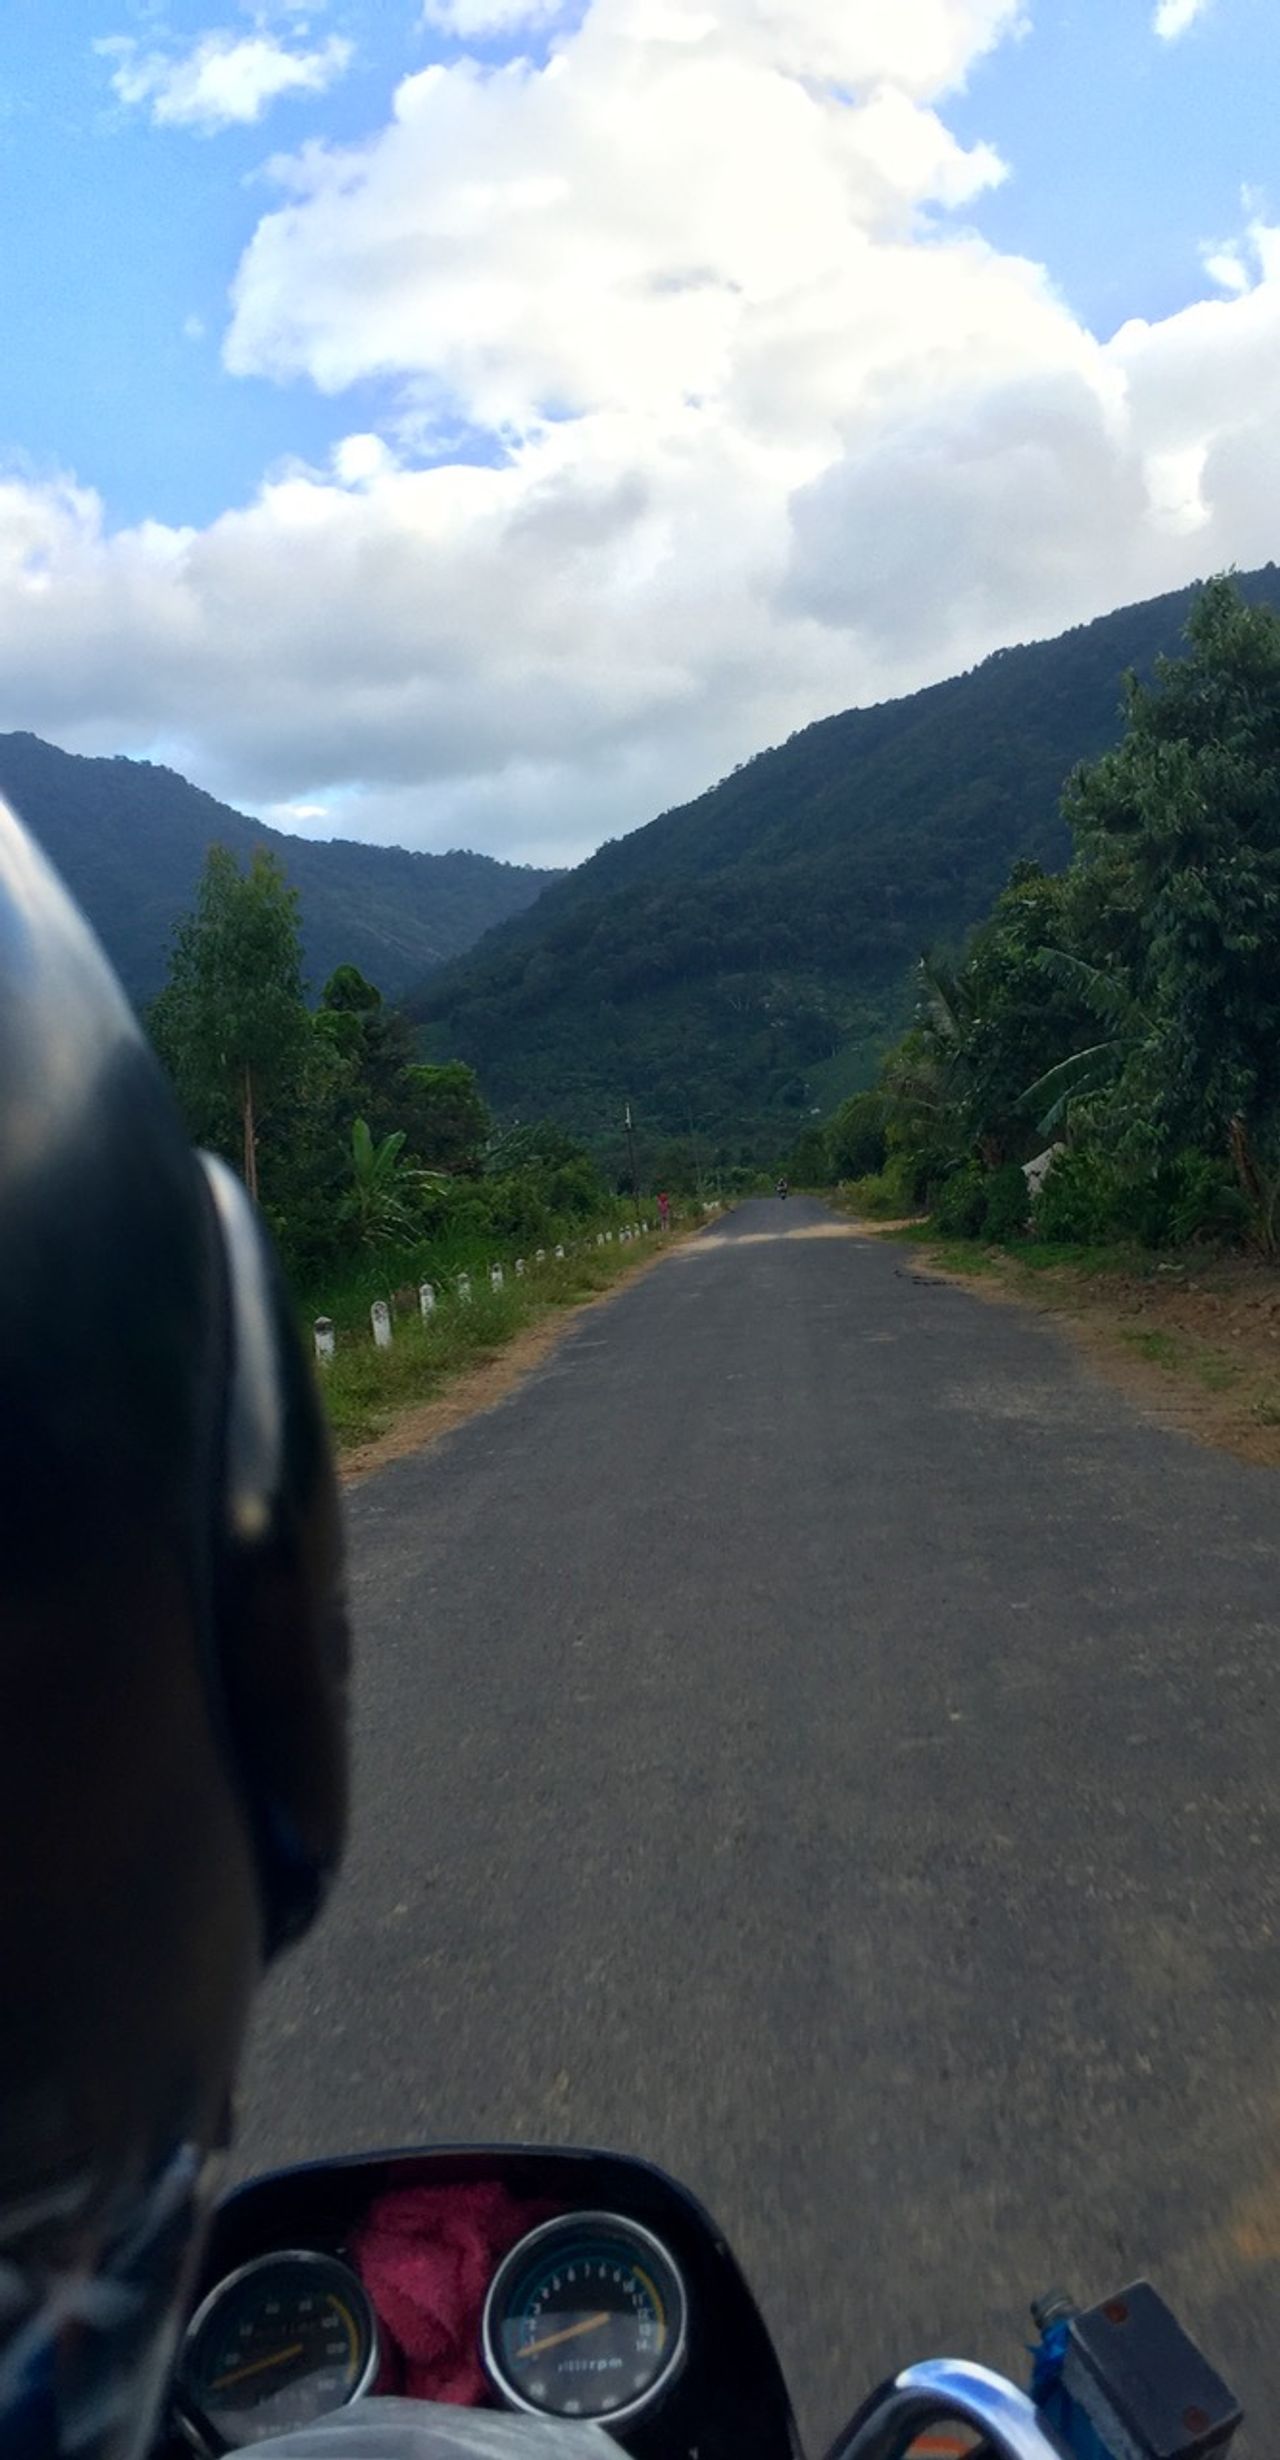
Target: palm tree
931	1068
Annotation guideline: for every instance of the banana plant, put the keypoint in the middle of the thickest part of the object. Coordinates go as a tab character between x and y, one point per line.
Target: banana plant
1095	1069
378	1201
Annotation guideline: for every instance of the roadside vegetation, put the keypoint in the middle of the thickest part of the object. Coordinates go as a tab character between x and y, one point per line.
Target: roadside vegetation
368	1390
376	1173
1115	1026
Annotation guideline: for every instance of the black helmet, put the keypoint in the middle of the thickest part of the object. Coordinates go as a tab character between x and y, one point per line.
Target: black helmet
172	1675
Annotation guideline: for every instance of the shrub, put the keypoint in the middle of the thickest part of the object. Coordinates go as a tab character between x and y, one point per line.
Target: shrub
889	1193
1008	1205
1207	1201
516	1208
1090	1197
960	1208
574	1187
1074	1207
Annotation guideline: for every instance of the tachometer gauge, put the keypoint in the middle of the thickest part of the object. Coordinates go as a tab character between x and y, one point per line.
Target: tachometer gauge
585	2318
275	2345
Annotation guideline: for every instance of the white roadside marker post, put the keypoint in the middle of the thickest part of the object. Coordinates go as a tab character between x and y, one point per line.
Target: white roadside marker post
324	1338
380	1318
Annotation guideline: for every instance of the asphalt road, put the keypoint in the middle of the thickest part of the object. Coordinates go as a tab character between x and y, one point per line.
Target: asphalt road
816	1736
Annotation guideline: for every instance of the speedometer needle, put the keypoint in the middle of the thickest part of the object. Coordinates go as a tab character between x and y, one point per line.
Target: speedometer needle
241	2374
572	2331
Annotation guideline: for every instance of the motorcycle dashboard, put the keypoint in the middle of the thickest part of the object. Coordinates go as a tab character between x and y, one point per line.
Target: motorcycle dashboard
561	2284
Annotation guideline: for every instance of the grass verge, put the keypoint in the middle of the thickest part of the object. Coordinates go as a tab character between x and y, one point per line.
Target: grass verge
376	1398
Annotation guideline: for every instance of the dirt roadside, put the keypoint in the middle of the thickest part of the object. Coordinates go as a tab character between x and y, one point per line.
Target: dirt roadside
1194	1343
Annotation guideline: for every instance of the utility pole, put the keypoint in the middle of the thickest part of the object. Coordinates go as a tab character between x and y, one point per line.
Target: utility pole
631	1149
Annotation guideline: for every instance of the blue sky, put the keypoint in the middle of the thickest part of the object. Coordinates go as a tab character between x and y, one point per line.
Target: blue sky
626	417
1125	152
122	235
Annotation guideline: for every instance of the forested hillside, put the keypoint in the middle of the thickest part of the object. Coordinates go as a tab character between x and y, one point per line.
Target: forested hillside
742	960
130	841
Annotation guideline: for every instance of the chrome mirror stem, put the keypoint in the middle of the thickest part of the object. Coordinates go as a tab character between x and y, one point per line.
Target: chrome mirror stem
947	2390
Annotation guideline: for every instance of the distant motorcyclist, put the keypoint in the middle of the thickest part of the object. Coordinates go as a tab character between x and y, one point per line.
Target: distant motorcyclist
783	1188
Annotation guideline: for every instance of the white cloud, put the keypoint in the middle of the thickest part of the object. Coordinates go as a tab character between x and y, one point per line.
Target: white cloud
469	18
303	819
1175	17
765	430
1235	264
626	226
224	80
1227	268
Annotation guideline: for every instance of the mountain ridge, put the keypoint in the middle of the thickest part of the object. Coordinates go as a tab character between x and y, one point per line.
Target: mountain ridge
129	838
739	961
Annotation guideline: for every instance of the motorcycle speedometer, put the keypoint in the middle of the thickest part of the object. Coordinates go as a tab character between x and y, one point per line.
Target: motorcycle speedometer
277	2344
586	2317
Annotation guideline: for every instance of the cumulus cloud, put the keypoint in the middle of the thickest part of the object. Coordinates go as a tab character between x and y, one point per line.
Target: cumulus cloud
226	79
1227	268
469	18
628	225
1175	17
757	427
1235	264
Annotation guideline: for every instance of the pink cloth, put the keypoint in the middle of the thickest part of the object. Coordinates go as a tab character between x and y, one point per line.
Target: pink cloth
426	2256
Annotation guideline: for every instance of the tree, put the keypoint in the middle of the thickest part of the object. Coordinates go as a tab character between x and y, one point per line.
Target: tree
445	1116
377	1038
231	1023
1012	1014
856	1137
808	1164
1032	1007
1190	802
347	993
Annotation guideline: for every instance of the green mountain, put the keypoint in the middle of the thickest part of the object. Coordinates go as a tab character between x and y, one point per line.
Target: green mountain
130	841
741	961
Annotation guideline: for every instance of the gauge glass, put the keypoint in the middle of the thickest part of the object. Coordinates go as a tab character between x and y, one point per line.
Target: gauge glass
274	2346
585	2318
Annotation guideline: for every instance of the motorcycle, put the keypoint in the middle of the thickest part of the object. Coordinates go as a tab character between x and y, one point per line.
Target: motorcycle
577	2287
